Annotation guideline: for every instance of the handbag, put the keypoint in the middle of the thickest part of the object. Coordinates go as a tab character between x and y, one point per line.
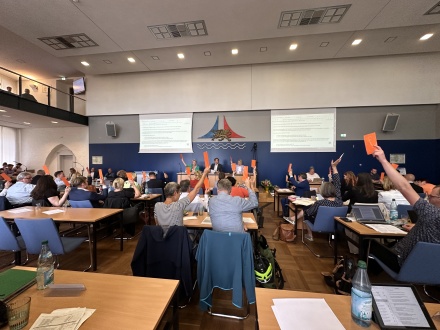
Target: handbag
287	232
276	233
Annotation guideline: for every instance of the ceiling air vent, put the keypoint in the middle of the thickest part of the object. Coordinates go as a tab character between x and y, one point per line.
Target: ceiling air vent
80	40
325	15
179	30
434	10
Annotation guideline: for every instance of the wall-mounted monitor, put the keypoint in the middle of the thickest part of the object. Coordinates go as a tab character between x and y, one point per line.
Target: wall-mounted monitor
79	86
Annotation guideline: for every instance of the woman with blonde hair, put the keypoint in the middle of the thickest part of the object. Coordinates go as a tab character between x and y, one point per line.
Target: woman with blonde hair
390	193
348	183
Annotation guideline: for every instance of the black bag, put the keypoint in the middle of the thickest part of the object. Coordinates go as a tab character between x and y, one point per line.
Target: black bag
340	278
263	250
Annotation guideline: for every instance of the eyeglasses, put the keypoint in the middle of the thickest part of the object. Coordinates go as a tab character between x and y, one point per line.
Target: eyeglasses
433	196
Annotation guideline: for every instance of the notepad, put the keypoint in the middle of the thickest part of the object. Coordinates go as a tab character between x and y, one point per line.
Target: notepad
14	281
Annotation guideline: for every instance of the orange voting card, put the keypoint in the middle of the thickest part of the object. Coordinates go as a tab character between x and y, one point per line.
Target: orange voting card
395	166
188	170
6	177
206	158
129	176
144	175
245	173
289	168
370	142
253	163
46	170
100	175
234	167
206	182
67	183
382	175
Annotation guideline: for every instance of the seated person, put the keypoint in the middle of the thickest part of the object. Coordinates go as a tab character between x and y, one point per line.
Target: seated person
331	192
9	170
311	175
389	193
411	178
110	175
73	174
79	192
362	192
170	212
17	169
123	175
57	177
239	167
197	178
154	182
27	95
19	194
300	186
427	187
216	166
427	228
375	177
40	173
221	175
226	211
196	202
240	190
45	192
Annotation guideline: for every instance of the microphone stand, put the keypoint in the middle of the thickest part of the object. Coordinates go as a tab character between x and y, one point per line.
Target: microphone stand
82	171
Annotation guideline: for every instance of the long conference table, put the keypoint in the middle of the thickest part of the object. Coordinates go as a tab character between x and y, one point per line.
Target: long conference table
121	302
340	305
84	216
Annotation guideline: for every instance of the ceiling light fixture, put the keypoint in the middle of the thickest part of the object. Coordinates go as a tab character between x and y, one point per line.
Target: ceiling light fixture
131	59
293	46
324	44
54	122
356	42
1	110
207	53
26	123
85	63
155	58
181	56
234	51
263	49
427	36
107	61
63	78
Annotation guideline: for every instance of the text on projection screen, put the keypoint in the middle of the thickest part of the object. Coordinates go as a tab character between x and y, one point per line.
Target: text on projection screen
165	133
303	130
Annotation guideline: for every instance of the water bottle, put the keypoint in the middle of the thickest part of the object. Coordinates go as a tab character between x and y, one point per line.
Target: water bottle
393	211
45	268
361	299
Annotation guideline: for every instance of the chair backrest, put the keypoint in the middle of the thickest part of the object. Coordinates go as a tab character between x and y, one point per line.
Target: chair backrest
8	241
35	231
423	195
216	268
422	266
4	204
402	210
324	221
81	204
309	193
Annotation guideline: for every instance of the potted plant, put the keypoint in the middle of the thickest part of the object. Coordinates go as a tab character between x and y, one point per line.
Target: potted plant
266	184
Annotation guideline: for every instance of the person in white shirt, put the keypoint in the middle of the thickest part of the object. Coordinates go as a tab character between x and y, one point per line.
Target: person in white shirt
197	201
20	192
390	193
239	167
311	174
58	175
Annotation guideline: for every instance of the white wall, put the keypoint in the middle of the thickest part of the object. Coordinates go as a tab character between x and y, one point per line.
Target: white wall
368	81
37	144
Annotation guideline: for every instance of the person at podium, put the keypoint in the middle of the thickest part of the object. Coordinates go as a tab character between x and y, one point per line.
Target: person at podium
193	167
239	167
216	166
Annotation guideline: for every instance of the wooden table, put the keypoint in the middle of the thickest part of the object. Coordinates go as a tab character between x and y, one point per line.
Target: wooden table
294	206
284	192
121	302
149	200
197	223
363	232
86	216
340	305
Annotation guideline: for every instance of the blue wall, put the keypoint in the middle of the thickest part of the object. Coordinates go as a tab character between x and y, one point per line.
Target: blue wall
422	158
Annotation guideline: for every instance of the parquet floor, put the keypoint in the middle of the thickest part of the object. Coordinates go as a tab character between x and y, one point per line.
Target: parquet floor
301	270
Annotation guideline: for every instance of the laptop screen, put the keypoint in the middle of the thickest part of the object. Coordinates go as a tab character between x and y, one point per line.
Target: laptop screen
367	213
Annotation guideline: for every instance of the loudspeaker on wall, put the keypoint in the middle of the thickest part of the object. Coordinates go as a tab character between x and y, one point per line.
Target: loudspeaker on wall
110	128
390	123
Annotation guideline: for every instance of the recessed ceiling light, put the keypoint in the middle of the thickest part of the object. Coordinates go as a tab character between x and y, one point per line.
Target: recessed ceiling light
181	55
6	116
324	44
293	46
131	60
1	110
63	78
85	63
234	51
263	49
54	122
155	58
207	53
107	61
26	123
427	36
390	39
356	42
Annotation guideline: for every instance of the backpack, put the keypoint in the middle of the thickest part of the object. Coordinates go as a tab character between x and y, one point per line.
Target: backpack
263	251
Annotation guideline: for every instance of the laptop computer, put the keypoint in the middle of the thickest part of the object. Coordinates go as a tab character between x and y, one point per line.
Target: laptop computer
368	214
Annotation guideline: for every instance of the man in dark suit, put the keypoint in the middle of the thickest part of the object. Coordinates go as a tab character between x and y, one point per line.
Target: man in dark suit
79	192
154	182
410	178
216	167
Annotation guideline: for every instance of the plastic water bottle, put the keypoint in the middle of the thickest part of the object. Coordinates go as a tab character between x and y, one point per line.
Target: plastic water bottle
45	268
393	210
361	299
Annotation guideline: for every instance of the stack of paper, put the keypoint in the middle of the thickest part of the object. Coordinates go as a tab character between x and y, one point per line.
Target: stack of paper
387	229
66	318
305	313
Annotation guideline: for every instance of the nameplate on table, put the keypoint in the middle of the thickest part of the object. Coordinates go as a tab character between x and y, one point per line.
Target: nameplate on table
20	210
53	211
248	220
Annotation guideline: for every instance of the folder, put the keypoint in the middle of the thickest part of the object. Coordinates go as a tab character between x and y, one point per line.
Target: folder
67	183
188	170
205	156
6	177
253	163
234	167
382	176
130	176
100	175
245	173
46	170
370	142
